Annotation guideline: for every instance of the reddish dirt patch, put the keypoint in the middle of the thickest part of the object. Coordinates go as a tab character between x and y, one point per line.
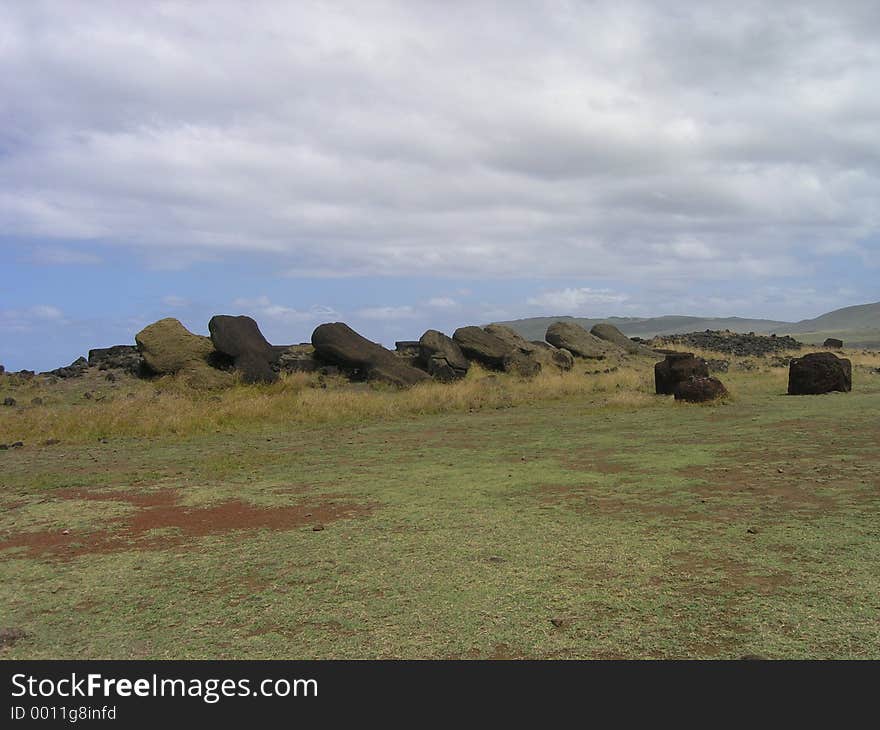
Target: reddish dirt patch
160	511
584	498
730	573
599	462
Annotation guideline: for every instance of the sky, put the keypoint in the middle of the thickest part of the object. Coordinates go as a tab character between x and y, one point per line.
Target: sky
410	165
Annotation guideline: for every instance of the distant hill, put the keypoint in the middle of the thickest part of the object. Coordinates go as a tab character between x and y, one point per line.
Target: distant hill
858	325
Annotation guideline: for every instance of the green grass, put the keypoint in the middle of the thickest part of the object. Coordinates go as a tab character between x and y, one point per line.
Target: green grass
579	527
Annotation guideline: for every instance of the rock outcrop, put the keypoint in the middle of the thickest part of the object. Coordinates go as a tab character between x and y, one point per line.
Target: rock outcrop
338	344
487	349
610	333
819	372
833	342
240	339
578	341
732	343
170	348
117	357
441	357
676	368
76	369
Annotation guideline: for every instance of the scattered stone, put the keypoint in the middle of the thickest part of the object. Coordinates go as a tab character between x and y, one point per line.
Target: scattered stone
76	369
578	341
732	343
780	361
9	401
118	357
752	531
338	344
718	366
477	344
110	377
833	342
240	338
558	622
610	333
819	372
4	447
441	356
700	390
677	368
317	528
51	442
87	395
17	445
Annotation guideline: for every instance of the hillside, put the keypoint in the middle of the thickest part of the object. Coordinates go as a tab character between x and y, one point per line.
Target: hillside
861	324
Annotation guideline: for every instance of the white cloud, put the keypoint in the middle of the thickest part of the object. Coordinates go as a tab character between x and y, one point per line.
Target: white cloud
30	318
607	139
441	303
388	313
57	255
574	300
263	308
172	300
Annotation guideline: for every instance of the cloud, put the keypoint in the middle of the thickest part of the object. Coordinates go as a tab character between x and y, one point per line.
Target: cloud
574	300
603	141
388	313
172	300
263	308
30	318
56	255
441	303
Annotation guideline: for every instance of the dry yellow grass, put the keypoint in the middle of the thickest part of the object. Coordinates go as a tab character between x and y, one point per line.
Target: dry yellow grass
169	407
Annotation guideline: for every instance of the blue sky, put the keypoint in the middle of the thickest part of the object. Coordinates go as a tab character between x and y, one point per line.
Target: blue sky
412	165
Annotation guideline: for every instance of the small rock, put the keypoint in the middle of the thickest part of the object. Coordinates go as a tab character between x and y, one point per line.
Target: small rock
558	622
4	447
18	445
111	377
317	528
36	401
781	470
752	531
51	442
65	532
87	395
9	401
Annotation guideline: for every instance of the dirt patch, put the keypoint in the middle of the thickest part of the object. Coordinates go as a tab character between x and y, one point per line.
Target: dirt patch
599	462
161	522
730	573
584	498
9	636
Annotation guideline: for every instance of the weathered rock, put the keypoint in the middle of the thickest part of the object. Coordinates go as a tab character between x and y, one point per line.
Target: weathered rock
297	359
118	357
508	335
76	369
718	366
338	344
578	341
675	369
556	356
168	348
610	333
700	390
522	363
9	401
479	345
732	343
819	372
833	342
441	356
240	338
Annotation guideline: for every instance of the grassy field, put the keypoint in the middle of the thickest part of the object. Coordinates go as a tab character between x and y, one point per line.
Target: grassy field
576	516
